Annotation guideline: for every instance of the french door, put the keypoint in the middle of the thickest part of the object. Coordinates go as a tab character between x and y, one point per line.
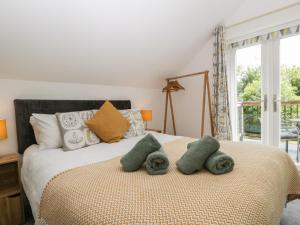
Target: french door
265	93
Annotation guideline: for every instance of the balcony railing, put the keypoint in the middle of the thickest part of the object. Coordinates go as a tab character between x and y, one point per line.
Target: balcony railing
249	115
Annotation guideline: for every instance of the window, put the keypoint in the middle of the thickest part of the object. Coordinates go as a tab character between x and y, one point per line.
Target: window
266	93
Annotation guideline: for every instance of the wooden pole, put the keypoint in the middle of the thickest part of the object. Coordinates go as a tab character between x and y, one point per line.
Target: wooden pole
166	112
209	105
172	113
188	75
203	107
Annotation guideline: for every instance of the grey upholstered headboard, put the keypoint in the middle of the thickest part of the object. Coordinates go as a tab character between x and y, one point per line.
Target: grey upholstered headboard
25	108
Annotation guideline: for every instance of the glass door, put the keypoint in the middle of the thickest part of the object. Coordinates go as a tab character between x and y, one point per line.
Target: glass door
265	94
248	78
290	95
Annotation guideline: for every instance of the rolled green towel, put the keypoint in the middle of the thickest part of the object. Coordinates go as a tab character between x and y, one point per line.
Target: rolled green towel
219	163
189	144
157	163
196	155
136	157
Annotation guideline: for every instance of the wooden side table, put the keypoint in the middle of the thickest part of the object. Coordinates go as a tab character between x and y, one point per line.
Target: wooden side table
11	202
155	130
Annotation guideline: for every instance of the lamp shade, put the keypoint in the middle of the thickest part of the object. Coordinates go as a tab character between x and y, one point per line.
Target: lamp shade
173	86
146	114
3	130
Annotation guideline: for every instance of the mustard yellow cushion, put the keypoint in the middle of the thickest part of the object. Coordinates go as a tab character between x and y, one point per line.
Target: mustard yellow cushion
108	123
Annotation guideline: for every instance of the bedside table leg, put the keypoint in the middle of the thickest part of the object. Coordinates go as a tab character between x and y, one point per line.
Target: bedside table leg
11	210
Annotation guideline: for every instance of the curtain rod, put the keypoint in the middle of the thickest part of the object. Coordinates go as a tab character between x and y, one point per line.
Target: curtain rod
264	31
263	15
187	75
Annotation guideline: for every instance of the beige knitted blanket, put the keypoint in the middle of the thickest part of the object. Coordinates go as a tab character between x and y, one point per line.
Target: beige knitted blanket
255	192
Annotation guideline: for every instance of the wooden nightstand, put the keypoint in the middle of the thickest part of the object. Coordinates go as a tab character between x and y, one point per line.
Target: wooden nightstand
155	130
11	207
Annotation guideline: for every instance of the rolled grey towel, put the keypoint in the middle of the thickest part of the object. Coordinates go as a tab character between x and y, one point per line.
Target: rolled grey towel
136	157
219	163
198	152
157	163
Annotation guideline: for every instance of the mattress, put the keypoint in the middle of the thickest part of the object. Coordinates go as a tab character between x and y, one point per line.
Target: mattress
255	192
39	167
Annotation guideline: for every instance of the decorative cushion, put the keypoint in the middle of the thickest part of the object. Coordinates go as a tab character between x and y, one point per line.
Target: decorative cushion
136	122
46	131
75	133
108	123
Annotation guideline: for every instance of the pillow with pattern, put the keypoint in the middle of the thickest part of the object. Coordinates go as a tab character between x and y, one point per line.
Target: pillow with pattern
75	133
136	122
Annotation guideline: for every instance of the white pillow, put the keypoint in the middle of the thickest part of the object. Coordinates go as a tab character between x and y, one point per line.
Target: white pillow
46	131
136	122
75	133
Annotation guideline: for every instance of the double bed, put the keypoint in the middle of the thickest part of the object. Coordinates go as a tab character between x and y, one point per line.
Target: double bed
88	186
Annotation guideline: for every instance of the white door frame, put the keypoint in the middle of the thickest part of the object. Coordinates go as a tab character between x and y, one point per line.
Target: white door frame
270	66
271	88
276	97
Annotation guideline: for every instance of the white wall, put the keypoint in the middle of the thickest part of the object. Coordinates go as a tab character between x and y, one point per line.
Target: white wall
13	89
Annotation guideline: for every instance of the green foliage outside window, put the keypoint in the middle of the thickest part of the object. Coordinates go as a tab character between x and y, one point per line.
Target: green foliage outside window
249	90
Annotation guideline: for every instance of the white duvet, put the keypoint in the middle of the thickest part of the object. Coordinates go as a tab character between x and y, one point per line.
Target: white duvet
39	166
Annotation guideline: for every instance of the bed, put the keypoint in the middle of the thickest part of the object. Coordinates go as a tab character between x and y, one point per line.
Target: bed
87	186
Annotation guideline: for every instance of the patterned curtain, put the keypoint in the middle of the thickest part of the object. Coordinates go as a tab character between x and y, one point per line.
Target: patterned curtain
222	123
285	32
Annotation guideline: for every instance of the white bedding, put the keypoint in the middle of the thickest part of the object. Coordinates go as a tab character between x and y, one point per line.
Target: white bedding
39	166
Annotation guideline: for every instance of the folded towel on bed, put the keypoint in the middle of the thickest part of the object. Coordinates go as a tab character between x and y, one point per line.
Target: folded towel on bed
219	163
136	157
196	155
157	163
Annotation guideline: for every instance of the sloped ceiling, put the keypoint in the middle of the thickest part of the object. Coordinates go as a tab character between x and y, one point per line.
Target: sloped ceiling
113	42
249	9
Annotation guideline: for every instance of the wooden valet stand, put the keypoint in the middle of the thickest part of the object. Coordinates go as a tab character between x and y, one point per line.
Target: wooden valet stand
174	86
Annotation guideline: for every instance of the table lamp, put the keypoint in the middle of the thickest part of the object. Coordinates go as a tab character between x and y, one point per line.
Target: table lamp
147	115
3	130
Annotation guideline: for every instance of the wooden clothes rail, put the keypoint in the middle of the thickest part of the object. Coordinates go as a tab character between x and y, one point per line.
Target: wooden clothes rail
206	89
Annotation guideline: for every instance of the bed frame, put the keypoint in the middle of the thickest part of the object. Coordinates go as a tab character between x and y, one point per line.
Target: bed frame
25	107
